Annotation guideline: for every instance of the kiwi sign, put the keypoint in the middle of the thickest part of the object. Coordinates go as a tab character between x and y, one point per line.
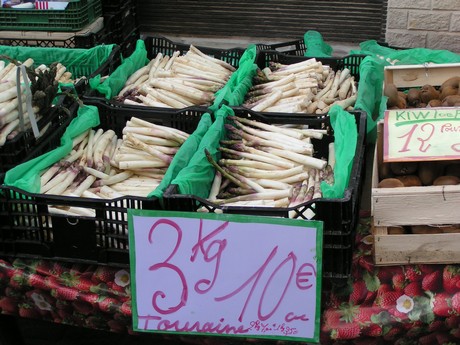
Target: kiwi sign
421	134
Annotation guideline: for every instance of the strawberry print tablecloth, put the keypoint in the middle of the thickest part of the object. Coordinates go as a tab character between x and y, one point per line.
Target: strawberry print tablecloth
405	305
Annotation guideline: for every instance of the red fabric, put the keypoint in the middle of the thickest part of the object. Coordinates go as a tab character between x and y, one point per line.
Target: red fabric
413	304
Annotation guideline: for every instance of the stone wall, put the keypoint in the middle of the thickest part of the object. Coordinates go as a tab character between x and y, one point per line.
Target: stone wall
433	24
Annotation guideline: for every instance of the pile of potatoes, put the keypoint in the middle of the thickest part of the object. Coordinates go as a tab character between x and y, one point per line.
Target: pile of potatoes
428	173
428	96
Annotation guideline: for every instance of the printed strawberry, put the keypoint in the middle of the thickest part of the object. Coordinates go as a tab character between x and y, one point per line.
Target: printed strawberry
427	269
52	282
432	281
104	274
37	281
456	303
126	309
57	269
413	289
42	267
363	315
370	297
392	333
18	279
385	275
65	293
91	298
107	304
27	311
399	281
451	278
9	305
388	299
441	304
413	273
346	331
366	263
359	292
74	280
453	321
373	330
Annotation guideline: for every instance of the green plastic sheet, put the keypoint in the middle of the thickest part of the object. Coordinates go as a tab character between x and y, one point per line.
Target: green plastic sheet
197	177
345	141
370	89
80	62
112	85
183	156
26	176
316	47
234	91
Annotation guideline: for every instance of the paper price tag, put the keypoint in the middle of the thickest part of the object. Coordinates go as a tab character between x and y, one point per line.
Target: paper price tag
422	134
219	274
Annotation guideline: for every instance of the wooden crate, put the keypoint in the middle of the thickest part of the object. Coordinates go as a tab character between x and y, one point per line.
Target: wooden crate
429	205
407	76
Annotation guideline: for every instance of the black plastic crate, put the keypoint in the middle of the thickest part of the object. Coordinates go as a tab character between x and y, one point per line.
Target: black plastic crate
352	62
340	216
159	44
128	41
24	146
28	228
155	45
76	16
295	47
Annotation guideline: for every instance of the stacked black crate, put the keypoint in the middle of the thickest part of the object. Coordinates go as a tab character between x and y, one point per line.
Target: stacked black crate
120	19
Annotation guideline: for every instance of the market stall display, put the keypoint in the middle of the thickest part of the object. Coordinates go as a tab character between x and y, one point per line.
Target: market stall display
65	258
337	207
85	227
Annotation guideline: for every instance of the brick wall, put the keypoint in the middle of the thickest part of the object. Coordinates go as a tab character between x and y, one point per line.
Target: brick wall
433	24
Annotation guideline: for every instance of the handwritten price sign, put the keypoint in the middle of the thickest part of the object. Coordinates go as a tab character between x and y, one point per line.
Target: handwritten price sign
220	274
422	134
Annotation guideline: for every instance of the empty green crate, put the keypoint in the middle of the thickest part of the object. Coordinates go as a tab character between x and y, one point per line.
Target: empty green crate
75	17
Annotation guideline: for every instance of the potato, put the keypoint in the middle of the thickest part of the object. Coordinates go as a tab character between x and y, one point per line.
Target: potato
451	82
434	103
413	97
403	168
390	183
448	91
450	101
396	230
446	180
428	93
392	93
410	180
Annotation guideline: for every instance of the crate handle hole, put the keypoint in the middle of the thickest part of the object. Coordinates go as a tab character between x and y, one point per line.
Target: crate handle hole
72	221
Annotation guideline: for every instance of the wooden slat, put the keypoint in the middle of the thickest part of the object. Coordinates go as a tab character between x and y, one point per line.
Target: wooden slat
350	21
416	249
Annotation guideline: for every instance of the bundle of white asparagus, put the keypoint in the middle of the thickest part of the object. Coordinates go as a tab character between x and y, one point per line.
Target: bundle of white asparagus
43	91
101	165
304	87
177	81
269	165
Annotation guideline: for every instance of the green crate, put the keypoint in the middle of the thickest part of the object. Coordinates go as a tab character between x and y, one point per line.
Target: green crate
75	17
